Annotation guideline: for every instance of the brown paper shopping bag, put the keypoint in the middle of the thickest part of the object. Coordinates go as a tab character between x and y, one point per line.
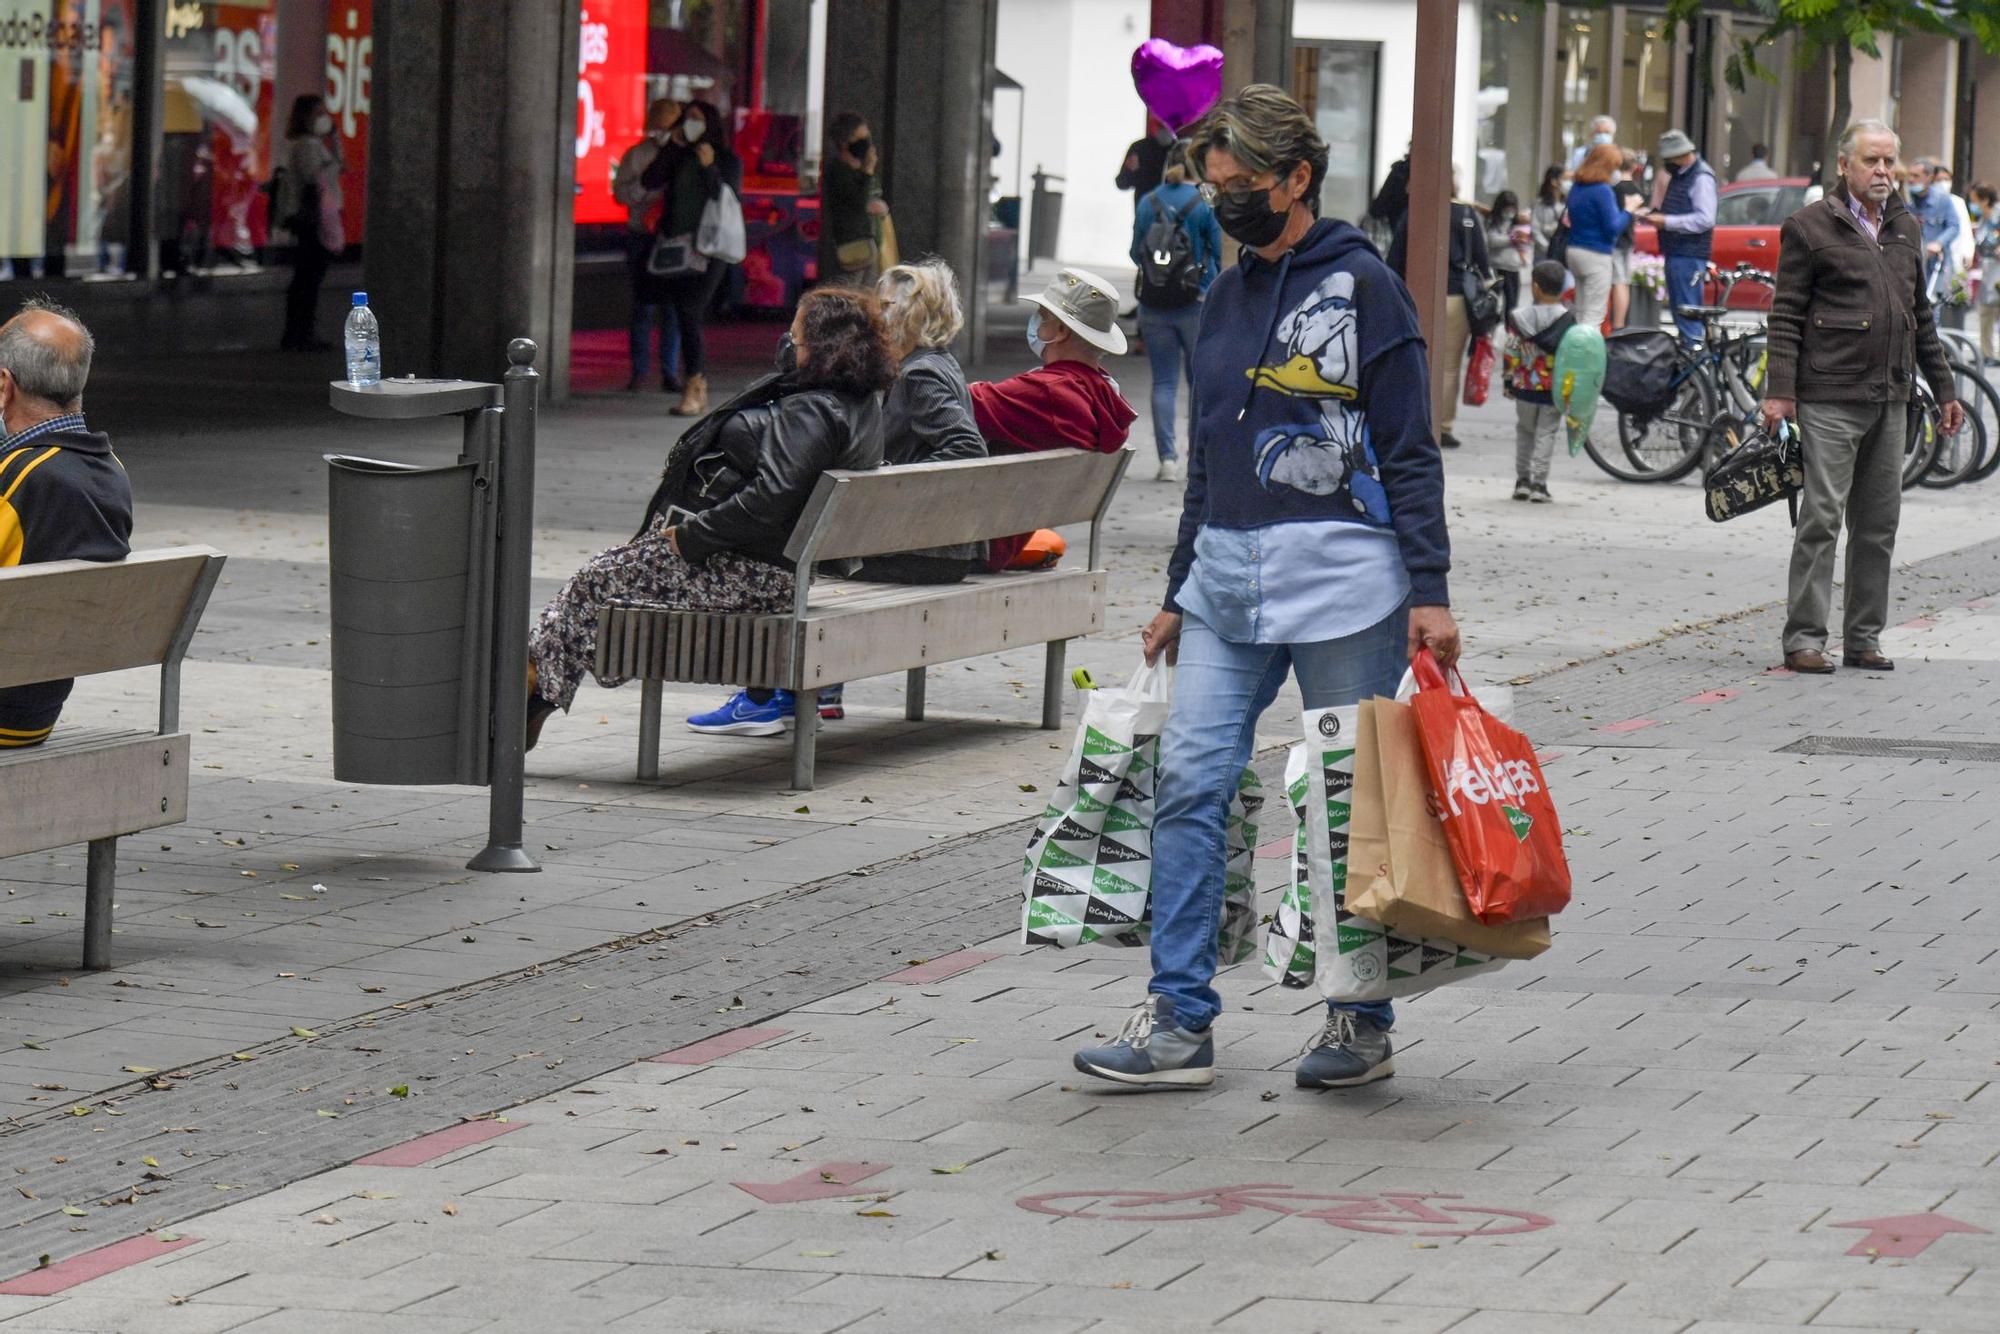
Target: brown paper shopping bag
1407	881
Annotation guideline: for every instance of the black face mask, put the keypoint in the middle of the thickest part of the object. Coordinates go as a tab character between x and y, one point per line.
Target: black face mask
787	360
1249	219
859	149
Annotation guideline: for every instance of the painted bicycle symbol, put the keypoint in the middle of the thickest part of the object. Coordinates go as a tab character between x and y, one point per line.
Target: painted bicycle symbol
1394	1213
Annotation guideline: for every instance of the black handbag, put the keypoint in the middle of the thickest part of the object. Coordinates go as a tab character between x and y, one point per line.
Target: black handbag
1484	303
673	256
1757	472
1559	241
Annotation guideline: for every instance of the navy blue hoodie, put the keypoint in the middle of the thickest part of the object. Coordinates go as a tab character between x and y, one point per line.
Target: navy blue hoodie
1313	401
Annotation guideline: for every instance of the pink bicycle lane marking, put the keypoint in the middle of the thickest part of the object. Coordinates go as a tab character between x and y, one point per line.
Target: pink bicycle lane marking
66	1274
945	965
429	1148
719	1046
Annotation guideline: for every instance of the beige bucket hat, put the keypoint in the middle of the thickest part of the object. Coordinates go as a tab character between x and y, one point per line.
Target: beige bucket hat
1087	305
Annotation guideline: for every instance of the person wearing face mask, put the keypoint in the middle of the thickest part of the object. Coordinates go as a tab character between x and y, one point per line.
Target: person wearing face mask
1933	207
1145	161
63	494
1985	212
850	200
1312	544
306	204
1067	402
693	166
1603	130
714	532
642	209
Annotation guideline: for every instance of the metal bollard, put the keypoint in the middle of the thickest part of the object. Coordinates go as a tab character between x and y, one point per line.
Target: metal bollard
515	544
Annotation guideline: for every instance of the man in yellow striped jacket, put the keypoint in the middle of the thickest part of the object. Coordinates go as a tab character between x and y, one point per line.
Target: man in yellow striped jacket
63	493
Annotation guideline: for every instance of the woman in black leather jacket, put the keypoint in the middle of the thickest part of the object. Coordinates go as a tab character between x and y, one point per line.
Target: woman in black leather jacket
714	534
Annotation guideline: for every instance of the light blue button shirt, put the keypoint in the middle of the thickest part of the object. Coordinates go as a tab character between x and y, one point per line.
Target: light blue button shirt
1294	583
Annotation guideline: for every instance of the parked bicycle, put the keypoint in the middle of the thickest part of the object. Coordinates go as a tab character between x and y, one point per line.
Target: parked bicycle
1723	375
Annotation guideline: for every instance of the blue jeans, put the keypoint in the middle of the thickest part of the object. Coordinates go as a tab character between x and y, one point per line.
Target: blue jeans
645	314
1220	691
1169	336
1684	279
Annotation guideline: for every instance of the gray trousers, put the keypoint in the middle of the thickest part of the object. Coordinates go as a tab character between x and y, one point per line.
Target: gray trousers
1854	465
1537	427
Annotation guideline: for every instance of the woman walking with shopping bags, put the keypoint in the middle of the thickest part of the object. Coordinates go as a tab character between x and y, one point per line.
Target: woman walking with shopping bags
693	168
1315	484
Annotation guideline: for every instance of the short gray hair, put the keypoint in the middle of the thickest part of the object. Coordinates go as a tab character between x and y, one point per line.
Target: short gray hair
52	370
1861	127
1265	129
1609	122
920	304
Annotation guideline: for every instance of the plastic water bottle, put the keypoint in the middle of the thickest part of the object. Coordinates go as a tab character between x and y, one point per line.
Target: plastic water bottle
364	345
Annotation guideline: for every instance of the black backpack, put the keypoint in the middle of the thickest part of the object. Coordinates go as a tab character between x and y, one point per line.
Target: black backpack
1639	371
1169	278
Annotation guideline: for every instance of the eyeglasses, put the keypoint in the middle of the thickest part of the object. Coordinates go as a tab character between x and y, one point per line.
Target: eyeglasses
1237	190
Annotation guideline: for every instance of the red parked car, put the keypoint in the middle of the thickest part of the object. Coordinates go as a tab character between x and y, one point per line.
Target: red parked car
1747	217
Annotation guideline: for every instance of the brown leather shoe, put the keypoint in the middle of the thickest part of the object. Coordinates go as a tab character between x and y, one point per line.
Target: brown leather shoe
1808	662
1868	660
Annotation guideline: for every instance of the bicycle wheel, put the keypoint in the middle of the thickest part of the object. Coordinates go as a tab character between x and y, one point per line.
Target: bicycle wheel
1982	404
1957	456
1663	448
1920	444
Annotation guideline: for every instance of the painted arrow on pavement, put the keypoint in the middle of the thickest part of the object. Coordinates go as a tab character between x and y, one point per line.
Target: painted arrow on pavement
828	1181
1902	1238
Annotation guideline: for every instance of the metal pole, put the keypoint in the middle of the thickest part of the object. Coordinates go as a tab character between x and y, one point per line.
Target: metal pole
510	613
1430	177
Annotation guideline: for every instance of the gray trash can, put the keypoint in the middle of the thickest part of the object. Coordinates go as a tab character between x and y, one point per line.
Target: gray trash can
409	577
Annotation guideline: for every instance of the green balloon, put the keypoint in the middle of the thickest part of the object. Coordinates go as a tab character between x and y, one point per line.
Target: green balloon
1576	380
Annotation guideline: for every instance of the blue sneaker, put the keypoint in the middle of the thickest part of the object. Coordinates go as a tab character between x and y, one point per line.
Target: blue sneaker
1352	1049
743	716
1151	1056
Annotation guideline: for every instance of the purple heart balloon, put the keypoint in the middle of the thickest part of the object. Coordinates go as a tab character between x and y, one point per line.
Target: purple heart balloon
1177	83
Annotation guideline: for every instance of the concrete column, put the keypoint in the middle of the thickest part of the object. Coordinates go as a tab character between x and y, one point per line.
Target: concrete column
921	72
472	171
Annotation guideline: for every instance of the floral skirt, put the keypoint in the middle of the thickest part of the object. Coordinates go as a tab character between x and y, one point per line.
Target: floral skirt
563	644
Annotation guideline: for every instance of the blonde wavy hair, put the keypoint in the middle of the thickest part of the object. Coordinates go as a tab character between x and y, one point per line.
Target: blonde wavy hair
920	305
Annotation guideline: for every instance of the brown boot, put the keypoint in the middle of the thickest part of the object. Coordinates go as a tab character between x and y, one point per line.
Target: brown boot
694	400
1809	661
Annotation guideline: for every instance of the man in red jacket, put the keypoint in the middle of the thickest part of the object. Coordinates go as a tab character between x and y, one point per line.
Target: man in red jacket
1068	402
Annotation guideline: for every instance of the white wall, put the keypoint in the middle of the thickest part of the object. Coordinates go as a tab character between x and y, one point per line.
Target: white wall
1393	24
1073	59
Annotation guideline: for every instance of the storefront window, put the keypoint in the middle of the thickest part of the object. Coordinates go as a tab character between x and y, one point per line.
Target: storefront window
1645	94
233	74
66	137
1335	82
1510	102
1583	44
754	60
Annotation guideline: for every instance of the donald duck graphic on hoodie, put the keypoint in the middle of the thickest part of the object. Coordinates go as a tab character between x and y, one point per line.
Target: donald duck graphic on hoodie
1331	457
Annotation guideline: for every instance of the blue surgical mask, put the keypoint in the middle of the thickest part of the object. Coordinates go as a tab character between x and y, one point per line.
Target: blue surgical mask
1600	138
1036	343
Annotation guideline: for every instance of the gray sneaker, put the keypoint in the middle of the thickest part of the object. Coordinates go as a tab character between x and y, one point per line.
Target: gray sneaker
1350	1050
1155	1057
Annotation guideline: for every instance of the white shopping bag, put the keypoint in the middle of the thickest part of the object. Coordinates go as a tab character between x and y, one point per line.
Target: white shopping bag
720	235
1088	872
1356	959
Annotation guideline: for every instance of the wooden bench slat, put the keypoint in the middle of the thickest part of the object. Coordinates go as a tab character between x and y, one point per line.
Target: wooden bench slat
77	618
135	781
938	504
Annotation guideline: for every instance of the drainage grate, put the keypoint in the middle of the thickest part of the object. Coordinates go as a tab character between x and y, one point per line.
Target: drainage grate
1982	752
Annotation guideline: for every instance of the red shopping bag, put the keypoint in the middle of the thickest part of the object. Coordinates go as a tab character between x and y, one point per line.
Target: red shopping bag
1498	817
1479	372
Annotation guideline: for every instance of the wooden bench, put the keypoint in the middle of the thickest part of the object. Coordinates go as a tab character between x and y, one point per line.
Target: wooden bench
85	784
843	630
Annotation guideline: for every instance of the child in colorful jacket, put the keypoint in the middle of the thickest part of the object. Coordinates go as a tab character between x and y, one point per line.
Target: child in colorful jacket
1535	330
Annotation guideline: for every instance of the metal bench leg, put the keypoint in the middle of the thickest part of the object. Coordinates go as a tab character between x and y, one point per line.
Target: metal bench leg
1052	685
649	730
805	735
101	880
913	695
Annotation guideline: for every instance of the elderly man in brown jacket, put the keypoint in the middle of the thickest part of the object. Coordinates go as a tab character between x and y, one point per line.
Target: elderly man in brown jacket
1850	328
